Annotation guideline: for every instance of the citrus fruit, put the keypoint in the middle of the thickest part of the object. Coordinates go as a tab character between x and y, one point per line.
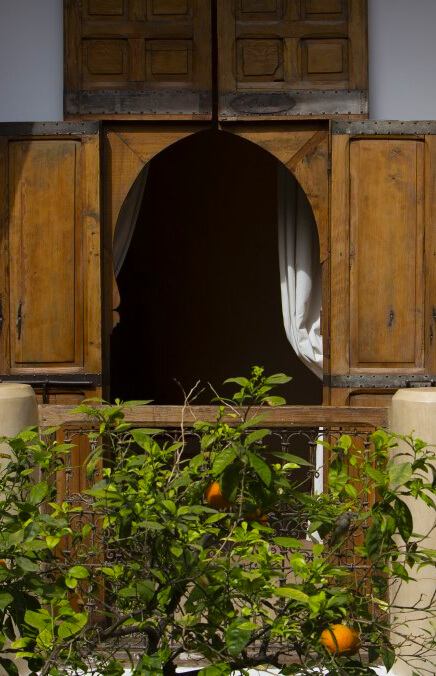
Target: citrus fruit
3	564
215	498
340	639
256	515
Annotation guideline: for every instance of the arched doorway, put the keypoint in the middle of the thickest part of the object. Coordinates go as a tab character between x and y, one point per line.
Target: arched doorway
200	284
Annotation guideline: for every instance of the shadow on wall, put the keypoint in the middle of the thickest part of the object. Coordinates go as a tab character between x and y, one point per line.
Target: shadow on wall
200	285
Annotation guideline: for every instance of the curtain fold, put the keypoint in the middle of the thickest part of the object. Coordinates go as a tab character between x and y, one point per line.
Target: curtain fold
300	272
127	220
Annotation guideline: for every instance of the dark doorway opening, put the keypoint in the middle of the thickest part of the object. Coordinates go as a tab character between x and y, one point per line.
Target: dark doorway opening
200	284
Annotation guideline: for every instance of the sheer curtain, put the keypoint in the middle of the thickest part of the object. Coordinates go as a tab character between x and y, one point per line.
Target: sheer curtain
300	271
127	220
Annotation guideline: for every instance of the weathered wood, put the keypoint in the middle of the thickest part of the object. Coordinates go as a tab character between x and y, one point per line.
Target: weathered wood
386	221
51	253
283	416
45	233
339	266
430	255
292	59
383	127
32	129
137	58
303	149
127	150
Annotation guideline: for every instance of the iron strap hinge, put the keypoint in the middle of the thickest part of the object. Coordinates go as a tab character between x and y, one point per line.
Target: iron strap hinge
380	381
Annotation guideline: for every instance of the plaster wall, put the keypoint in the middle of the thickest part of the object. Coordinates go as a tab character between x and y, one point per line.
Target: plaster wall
402	53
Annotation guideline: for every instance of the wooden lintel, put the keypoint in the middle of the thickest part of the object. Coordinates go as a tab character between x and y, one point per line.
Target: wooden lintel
283	416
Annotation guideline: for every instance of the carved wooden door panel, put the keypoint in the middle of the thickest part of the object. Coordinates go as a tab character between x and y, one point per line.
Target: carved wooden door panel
50	284
382	259
138	58
281	58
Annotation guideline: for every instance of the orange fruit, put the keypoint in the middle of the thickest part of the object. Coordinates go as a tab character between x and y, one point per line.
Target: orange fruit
215	498
340	639
3	564
256	515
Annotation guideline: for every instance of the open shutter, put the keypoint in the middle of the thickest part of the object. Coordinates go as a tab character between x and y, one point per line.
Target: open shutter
383	201
50	240
141	58
284	58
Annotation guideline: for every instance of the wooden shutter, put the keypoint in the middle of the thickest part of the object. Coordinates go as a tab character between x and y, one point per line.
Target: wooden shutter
143	58
50	240
383	244
281	58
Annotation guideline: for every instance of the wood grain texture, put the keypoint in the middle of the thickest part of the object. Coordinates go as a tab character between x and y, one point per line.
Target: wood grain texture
339	269
51	246
90	213
4	249
430	255
143	58
386	253
288	59
303	149
45	237
283	416
127	148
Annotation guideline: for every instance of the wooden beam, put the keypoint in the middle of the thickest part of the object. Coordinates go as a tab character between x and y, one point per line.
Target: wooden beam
283	416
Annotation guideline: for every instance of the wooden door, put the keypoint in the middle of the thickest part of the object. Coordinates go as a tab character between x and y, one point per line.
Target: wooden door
138	58
50	240
382	259
285	58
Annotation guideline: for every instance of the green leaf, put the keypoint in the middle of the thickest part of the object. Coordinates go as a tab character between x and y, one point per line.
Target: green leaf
71	582
170	506
145	589
74	624
10	667
293	458
151	525
275	401
260	467
256	436
375	474
399	475
236	638
287	542
291	593
143	438
5	600
277	379
351	491
404	519
388	657
243	382
79	572
39	619
222	460
26	564
52	541
38	493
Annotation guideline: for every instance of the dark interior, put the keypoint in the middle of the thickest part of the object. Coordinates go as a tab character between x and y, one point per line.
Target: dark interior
200	285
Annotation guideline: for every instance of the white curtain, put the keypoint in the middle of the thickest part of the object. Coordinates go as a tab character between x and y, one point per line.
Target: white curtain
300	271
127	219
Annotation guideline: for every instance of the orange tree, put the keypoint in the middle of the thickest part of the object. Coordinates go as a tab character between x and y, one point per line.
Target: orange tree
168	573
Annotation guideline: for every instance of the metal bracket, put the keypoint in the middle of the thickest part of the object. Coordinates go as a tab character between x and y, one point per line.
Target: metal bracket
379	381
85	380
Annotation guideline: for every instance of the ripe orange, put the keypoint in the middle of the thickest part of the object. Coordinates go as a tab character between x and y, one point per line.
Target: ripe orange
341	640
215	498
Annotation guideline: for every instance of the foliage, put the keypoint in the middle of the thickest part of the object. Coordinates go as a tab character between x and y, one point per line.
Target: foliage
155	564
